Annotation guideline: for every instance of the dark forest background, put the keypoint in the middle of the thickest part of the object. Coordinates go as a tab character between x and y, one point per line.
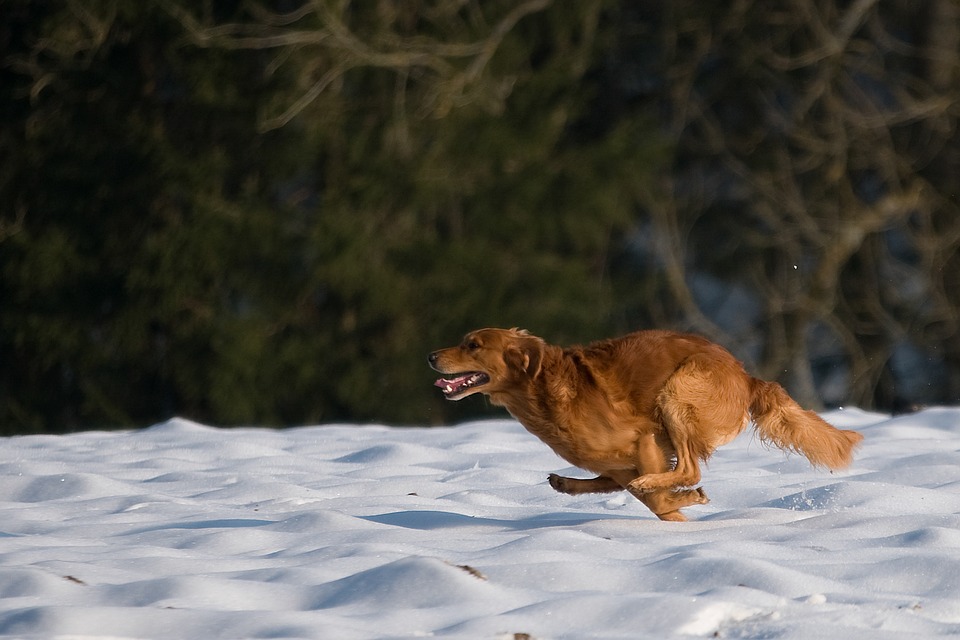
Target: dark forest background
269	212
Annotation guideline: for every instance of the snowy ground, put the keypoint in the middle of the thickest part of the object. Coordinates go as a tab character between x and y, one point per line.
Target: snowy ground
185	531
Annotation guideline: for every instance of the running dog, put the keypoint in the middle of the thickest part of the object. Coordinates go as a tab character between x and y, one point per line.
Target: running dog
640	411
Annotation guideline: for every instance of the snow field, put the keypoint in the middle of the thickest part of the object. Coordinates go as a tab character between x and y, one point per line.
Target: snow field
187	531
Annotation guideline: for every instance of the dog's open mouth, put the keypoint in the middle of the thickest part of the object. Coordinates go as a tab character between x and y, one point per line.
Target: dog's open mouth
455	388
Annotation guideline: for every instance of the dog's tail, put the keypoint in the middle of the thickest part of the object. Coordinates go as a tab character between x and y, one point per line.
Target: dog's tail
782	422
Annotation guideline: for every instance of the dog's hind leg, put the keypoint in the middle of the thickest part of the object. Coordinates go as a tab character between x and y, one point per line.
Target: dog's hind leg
575	486
664	503
685	474
699	410
653	458
655	472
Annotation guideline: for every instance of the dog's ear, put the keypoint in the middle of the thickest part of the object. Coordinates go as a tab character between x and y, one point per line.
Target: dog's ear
525	356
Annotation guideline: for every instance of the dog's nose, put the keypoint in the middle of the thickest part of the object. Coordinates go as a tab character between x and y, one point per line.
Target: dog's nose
432	358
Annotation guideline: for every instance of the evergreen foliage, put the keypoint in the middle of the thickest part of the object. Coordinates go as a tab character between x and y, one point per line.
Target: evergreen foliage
268	213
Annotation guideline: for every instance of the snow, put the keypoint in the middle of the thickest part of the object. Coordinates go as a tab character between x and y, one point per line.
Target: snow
186	531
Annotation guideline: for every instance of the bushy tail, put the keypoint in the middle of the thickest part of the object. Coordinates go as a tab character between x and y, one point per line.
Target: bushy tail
782	422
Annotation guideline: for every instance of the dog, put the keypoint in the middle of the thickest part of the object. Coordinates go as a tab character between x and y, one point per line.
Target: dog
641	411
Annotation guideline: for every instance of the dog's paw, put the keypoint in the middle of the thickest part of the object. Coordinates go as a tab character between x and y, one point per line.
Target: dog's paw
559	483
640	485
703	496
672	516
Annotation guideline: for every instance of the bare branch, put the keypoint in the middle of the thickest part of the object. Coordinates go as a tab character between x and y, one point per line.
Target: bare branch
387	50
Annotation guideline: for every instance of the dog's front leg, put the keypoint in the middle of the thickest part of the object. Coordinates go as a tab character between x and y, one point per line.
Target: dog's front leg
666	504
575	486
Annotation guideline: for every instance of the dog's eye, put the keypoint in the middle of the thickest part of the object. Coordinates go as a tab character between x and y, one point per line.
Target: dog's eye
472	346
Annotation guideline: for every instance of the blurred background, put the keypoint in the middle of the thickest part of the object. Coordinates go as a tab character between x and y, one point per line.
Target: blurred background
267	213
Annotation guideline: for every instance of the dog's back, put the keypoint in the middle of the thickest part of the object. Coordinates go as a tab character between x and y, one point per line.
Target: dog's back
638	364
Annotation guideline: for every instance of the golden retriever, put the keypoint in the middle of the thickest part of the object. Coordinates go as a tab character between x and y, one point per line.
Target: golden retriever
639	411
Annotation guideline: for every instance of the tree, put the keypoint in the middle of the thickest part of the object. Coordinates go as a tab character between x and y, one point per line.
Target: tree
317	199
269	212
812	140
136	202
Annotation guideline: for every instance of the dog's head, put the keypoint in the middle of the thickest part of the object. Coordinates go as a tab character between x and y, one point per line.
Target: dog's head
488	361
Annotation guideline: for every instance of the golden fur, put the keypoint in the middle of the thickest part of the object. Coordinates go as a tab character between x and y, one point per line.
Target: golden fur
639	411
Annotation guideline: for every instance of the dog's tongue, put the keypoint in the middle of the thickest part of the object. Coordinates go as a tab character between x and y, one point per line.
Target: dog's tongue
452	383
